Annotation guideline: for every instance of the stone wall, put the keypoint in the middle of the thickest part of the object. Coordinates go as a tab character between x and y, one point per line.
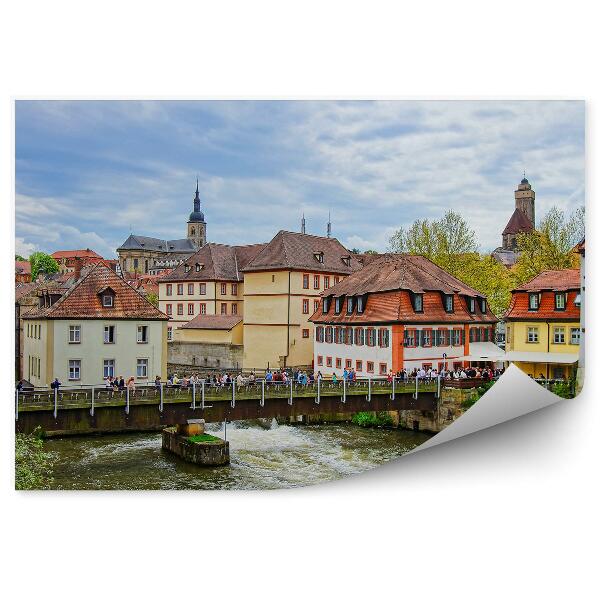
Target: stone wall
209	454
205	355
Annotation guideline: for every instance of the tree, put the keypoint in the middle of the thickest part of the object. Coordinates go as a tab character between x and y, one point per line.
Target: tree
19	257
371	252
41	261
550	247
152	298
33	466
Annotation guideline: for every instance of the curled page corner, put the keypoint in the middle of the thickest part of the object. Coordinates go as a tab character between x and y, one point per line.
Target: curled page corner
515	394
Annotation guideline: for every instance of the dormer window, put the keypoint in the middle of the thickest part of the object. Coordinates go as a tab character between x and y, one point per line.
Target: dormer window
319	257
418	302
560	301
198	267
346	260
338	305
350	305
483	305
326	304
534	301
187	268
360	304
449	303
107	300
471	305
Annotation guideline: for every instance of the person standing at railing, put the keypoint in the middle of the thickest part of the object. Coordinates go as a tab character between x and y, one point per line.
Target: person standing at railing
131	385
157	382
319	376
55	384
334	378
20	385
108	382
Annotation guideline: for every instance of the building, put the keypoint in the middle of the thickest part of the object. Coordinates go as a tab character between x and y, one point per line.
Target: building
522	220
149	255
580	249
69	259
22	271
543	325
99	327
402	312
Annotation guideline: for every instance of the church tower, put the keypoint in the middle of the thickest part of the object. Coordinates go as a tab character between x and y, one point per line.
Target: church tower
525	199
196	226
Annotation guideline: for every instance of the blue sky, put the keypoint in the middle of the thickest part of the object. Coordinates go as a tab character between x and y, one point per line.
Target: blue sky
90	172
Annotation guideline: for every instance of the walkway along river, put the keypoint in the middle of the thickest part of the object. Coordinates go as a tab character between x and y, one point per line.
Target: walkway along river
263	456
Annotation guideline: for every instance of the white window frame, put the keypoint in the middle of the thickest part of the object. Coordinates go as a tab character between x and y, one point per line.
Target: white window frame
71	365
106	375
578	338
559	331
533	335
140	329
104	336
144	363
105	301
75	329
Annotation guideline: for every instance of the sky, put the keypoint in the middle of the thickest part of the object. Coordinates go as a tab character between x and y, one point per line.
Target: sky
89	173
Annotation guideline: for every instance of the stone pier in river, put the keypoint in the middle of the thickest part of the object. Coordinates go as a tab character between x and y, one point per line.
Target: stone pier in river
190	442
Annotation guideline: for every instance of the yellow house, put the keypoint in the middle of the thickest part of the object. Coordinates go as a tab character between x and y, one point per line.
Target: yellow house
543	329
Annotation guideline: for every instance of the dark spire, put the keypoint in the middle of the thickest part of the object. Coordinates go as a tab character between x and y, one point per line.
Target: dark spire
303	224
197	214
329	225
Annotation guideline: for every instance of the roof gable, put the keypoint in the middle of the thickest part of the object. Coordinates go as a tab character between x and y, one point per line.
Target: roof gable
518	223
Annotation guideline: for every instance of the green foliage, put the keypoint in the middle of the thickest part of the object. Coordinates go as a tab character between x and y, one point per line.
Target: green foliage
153	298
475	394
204	438
371	419
33	466
371	252
564	389
19	257
550	247
41	261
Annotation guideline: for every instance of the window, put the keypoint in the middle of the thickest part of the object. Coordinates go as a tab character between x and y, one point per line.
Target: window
326	303
142	368
223	289
370	336
190	308
559	335
410	338
320	334
315	305
198	267
329	334
320	360
190	289
272	278
336	280
338	363
560	301
107	300
449	302
384	337
319	257
223	309
187	268
180	289
142	334
336	335
532	335
370	367
418	302
169	289
348	363
338	305
359	365
483	305
169	334
305	306
305	281
534	301
234	308
426	335
342	335
346	260
180	309
202	290
443	337
471	304
328	361
109	334
350	305
305	333
360	305
558	372
349	336
74	334
325	282
234	289
169	309
382	368
474	334
359	336
203	308
317	282
136	264
575	336
74	370
108	369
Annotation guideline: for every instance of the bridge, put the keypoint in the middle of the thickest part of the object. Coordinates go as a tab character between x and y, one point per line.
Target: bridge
89	409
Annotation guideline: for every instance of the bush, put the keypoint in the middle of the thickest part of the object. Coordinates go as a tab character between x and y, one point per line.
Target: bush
564	389
371	419
476	394
33	466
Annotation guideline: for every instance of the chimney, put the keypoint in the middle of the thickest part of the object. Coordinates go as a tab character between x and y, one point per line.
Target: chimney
77	265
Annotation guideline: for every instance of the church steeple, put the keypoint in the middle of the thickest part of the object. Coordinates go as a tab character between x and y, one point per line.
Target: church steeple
196	228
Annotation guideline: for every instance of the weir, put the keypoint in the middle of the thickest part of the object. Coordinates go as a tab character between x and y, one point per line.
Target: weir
77	411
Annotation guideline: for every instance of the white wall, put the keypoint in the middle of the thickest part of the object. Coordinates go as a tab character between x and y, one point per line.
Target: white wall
416	357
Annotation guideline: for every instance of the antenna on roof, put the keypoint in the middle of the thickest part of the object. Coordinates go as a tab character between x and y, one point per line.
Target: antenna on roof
303	225
329	225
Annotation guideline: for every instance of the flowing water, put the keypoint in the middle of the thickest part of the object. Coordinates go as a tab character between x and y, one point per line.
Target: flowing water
263	456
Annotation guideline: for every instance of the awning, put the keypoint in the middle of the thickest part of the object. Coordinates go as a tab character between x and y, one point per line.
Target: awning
485	351
555	358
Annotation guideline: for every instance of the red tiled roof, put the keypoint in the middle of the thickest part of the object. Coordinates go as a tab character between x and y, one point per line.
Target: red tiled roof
297	251
23	267
518	223
559	280
400	272
87	253
396	307
580	247
213	322
219	262
83	300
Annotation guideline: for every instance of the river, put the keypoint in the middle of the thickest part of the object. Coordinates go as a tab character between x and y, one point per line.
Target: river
263	456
